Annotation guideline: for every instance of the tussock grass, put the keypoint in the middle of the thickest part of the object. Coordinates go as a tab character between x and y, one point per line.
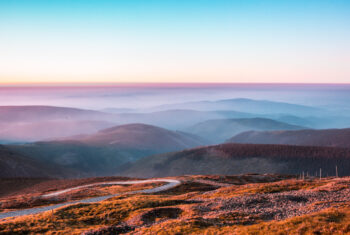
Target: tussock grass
76	218
184	210
32	200
329	221
276	187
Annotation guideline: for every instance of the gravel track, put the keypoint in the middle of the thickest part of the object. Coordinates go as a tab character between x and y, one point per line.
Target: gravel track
171	183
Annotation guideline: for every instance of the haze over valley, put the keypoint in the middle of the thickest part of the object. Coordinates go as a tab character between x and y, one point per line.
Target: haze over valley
174	117
88	149
107	140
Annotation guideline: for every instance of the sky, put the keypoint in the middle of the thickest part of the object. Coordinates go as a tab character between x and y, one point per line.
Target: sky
180	41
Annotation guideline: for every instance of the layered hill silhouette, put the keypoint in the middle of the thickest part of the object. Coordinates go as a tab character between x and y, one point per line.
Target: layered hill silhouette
227	159
47	113
35	123
220	130
330	137
46	130
247	105
103	152
177	118
21	123
140	136
13	165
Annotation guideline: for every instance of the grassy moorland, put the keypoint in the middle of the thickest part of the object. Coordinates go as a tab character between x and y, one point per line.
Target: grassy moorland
26	199
25	186
248	204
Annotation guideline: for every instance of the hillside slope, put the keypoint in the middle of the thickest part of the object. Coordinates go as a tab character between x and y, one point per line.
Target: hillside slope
247	105
330	137
175	119
21	123
13	164
140	136
220	130
28	131
47	113
101	153
243	158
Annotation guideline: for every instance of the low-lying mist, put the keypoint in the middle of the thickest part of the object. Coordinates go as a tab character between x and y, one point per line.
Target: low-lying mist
140	96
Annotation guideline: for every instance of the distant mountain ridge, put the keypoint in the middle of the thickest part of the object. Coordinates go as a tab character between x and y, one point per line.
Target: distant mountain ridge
220	130
246	105
101	153
176	119
34	123
141	136
29	131
328	137
19	123
37	113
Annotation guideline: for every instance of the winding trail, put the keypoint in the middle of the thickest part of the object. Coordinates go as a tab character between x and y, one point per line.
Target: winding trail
171	184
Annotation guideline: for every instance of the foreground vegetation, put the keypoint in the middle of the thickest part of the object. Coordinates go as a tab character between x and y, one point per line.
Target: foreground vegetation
207	205
25	200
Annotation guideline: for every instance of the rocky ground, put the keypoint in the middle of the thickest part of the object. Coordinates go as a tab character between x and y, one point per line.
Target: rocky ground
245	204
279	206
229	205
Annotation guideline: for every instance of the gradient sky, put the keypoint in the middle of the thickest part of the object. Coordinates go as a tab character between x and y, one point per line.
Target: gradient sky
175	41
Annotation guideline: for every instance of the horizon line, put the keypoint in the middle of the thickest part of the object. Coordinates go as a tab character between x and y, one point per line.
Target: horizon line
152	84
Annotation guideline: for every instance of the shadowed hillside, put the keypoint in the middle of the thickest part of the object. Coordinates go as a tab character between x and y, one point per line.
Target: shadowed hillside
13	164
140	136
220	130
331	137
244	158
102	153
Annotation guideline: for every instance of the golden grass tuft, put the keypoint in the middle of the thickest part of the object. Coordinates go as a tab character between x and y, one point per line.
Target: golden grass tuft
276	187
182	210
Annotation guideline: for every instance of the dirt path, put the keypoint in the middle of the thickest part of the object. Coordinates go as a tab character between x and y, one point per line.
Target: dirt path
171	183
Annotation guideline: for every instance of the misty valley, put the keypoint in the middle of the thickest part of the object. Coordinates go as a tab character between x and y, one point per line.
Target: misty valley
63	142
230	166
158	117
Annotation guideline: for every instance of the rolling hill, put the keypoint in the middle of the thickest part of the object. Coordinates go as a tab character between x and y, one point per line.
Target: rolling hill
176	119
10	114
22	123
140	136
101	153
330	137
28	131
13	164
220	130
228	159
248	106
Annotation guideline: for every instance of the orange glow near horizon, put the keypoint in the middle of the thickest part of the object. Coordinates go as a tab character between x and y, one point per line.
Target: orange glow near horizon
166	42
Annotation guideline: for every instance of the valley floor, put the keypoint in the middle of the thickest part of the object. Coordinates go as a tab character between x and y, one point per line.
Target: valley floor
244	204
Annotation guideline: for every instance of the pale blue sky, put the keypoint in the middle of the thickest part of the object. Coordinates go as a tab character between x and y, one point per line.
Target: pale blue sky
174	41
